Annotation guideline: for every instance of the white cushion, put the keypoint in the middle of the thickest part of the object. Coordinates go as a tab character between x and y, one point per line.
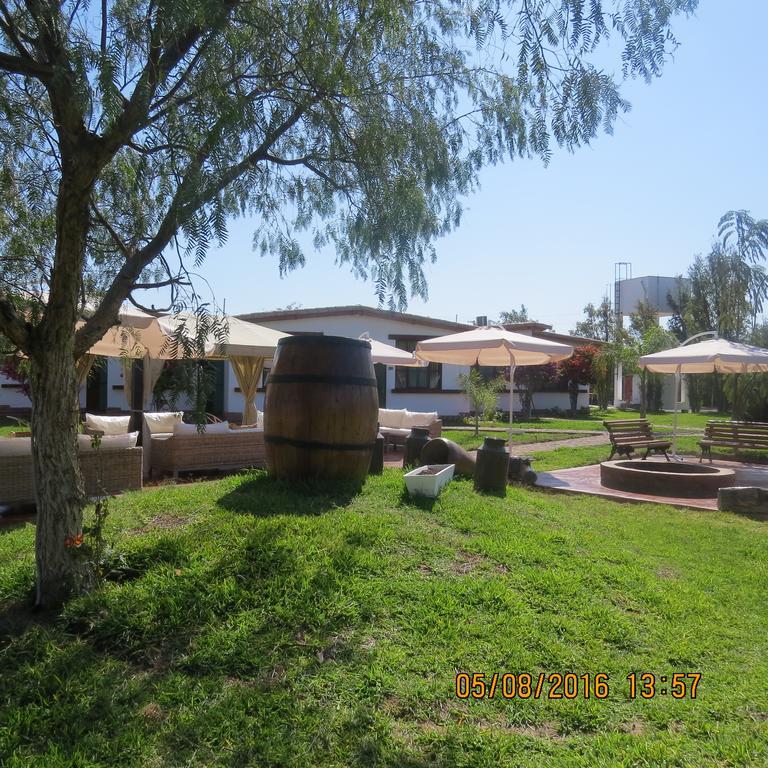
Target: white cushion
109	425
395	431
108	442
219	428
162	422
246	429
180	428
391	418
15	446
417	419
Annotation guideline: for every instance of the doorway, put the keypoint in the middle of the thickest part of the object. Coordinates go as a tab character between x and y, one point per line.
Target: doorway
381	383
96	387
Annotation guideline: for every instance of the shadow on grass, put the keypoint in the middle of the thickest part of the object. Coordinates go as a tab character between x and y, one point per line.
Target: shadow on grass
16	516
262	496
422	502
199	658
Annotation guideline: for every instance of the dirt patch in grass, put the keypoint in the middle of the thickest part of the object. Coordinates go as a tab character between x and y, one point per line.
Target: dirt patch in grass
634	727
163	523
152	712
465	562
667	573
546	730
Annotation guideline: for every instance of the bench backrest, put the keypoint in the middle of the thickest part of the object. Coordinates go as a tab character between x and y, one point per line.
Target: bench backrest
738	431
623	430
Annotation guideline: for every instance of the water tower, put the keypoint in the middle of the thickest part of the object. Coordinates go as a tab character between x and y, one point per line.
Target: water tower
657	292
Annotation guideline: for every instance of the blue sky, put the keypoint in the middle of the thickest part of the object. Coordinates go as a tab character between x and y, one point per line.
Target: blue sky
693	146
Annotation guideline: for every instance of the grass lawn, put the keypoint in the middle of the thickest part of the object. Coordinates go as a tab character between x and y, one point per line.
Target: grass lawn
256	625
471	442
8	425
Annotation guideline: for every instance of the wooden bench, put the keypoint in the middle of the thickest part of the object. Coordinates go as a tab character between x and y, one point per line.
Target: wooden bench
744	435
628	435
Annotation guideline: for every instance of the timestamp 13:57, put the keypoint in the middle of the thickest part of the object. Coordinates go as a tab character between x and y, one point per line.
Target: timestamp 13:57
679	685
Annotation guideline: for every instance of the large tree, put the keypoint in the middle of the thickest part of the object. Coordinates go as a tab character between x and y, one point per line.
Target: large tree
132	131
599	321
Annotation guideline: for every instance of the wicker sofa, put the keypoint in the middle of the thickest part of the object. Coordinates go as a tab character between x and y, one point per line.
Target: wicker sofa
186	450
395	425
120	470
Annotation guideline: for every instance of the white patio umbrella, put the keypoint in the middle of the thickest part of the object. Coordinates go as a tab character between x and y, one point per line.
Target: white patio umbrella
386	354
493	346
246	345
708	356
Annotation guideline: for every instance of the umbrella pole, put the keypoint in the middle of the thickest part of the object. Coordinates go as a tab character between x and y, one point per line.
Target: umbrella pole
674	418
511	397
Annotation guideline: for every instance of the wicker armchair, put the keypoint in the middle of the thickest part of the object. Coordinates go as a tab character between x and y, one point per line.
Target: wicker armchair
120	471
237	449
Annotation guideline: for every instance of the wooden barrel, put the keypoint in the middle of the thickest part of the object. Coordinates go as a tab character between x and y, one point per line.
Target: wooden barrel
321	409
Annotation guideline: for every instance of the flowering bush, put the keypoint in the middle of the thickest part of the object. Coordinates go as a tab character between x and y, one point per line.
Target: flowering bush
13	369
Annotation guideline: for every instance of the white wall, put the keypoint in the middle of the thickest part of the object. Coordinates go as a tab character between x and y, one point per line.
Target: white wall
667	392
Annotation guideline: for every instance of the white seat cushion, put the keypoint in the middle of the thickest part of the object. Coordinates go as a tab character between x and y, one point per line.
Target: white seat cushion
109	425
162	422
394	431
389	417
108	442
180	428
15	446
418	419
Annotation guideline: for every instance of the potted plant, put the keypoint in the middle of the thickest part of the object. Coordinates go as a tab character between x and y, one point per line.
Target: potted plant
429	480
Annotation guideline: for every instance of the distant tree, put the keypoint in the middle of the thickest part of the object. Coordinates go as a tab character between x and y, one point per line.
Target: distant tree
131	132
530	379
481	394
749	391
599	322
515	315
726	292
602	375
728	287
14	368
645	337
578	367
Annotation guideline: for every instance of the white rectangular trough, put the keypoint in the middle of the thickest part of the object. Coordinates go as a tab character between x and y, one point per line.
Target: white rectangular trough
429	480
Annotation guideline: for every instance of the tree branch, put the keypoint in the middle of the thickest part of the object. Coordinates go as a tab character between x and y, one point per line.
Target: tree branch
98	324
17	65
12	326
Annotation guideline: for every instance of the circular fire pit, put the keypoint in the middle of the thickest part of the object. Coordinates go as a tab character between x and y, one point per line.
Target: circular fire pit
665	478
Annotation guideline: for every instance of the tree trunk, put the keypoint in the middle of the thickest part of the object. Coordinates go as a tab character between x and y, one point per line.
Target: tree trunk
58	485
643	393
55	410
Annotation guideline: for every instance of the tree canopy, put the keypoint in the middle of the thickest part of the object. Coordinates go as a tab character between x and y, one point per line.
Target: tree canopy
364	122
727	288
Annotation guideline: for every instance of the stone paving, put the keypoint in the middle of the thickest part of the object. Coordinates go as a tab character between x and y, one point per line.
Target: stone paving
586	480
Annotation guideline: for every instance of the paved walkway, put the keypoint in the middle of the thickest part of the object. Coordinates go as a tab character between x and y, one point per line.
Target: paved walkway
551	445
586	480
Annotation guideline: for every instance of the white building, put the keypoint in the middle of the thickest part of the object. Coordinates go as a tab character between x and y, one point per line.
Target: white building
434	388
